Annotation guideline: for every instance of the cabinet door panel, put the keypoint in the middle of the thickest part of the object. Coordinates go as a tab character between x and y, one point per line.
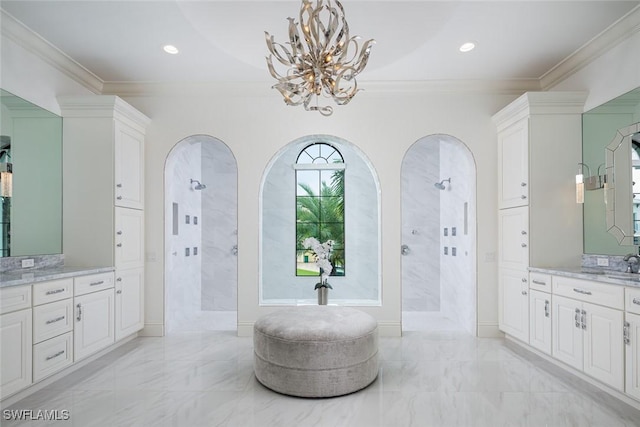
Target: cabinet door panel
129	302
514	304
632	350
603	345
514	238
513	158
567	332
540	321
129	238
129	167
15	352
94	327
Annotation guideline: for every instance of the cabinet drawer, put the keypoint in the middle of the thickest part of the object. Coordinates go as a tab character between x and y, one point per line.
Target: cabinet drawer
52	319
52	355
93	283
14	298
540	282
589	291
54	290
632	300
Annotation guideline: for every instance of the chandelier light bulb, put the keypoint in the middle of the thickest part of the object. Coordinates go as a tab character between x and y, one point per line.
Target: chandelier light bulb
320	62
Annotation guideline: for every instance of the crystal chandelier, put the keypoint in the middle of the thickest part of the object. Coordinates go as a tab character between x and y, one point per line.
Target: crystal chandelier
319	62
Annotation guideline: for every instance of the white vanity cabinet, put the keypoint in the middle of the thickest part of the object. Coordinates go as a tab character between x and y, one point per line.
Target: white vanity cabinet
103	180
588	324
103	199
539	143
93	301
15	339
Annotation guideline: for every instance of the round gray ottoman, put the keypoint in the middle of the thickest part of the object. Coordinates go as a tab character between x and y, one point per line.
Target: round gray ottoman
316	351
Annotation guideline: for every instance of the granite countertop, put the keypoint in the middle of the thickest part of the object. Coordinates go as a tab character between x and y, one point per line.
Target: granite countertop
599	275
29	276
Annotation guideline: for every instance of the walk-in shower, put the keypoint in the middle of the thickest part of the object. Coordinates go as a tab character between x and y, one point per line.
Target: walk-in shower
440	185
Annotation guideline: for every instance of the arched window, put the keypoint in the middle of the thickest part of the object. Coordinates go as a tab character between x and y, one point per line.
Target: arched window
320	206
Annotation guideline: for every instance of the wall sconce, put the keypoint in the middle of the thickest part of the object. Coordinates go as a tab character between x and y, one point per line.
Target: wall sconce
580	182
6	180
589	182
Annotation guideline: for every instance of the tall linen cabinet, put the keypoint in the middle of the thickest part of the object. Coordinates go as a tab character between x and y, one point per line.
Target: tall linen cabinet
103	202
539	221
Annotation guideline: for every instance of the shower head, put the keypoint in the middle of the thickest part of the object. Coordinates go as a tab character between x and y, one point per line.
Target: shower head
440	185
198	186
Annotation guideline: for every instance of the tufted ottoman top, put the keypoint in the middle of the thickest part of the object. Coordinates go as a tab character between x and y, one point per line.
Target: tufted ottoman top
316	323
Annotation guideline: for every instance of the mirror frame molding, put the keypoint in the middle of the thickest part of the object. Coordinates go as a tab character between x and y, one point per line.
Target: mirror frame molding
619	216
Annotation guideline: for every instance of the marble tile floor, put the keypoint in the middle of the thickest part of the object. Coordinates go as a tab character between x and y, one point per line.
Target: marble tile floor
426	379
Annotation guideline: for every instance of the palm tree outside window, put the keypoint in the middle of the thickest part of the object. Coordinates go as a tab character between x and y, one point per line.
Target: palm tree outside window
320	205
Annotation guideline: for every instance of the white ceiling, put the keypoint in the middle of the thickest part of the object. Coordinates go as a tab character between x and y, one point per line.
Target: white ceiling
222	41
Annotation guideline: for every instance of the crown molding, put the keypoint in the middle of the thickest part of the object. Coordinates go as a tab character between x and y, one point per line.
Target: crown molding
510	87
26	38
616	33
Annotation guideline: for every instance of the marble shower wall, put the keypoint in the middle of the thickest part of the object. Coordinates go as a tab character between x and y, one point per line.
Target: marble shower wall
182	264
458	262
421	228
219	228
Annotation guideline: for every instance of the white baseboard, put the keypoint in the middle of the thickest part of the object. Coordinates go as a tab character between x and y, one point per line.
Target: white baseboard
152	330
489	330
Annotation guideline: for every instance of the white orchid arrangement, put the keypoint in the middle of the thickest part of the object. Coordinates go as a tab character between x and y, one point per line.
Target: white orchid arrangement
322	252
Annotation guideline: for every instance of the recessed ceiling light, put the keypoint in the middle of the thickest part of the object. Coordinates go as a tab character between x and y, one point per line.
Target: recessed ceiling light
171	49
467	47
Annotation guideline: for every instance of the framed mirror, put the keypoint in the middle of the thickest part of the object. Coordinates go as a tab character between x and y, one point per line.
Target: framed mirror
621	190
601	136
30	178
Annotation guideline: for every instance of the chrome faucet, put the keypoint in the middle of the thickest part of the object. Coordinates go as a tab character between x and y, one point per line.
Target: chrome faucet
629	258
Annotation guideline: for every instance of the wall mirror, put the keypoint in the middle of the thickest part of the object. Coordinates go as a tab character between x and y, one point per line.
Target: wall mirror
30	178
609	142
